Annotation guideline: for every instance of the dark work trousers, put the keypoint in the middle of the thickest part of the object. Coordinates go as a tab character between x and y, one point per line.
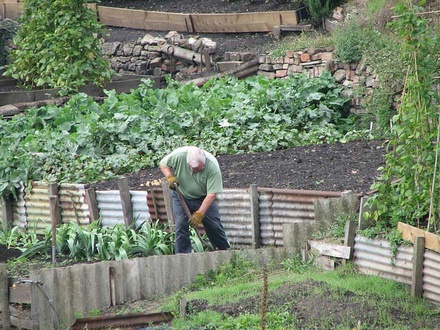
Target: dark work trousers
211	222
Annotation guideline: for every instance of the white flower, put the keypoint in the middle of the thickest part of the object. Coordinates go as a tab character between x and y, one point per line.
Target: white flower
225	123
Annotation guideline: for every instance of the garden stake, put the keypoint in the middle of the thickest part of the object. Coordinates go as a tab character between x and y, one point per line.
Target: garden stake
188	214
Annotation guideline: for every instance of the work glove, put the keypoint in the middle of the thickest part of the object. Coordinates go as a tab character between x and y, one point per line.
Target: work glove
196	219
171	180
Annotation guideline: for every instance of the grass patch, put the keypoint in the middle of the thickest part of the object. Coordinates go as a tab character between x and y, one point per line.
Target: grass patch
310	39
312	299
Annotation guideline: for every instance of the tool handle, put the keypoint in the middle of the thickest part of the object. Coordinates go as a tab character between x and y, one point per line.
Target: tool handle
188	213
182	200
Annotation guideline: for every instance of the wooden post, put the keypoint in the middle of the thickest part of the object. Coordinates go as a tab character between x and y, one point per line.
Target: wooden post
7	212
4	297
53	201
207	58
361	210
255	216
350	233
92	203
183	305
52	190
417	275
167	200
127	207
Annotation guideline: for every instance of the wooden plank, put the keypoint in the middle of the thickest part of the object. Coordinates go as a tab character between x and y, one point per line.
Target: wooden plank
120	85
142	19
432	241
242	22
331	250
92	204
255	216
7	211
167	199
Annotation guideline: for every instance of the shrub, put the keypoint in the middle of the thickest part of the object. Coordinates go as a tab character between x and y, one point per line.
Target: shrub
348	41
58	46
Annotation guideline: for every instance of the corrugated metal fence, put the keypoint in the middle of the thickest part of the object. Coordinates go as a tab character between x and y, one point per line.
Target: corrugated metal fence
64	290
375	257
250	216
253	216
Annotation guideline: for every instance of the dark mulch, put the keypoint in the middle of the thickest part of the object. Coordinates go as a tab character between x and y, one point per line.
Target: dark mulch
6	254
204	6
326	167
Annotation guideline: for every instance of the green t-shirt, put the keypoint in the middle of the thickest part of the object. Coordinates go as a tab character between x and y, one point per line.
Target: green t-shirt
194	185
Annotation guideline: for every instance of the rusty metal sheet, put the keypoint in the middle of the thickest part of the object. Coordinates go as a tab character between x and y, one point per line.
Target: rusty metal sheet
124	321
73	205
156	204
283	206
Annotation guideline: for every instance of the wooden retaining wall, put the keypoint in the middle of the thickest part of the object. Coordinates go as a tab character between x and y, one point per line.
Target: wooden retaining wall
165	21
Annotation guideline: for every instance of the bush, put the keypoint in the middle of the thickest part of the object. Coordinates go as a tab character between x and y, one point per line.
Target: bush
348	42
58	46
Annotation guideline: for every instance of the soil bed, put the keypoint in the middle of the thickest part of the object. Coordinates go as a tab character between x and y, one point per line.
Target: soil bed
325	167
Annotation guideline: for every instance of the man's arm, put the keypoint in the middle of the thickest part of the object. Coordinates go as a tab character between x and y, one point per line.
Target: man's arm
207	202
165	170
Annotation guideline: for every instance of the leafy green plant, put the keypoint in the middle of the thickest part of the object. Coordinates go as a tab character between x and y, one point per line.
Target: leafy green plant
57	46
153	239
90	243
83	141
319	9
348	42
298	265
336	229
407	186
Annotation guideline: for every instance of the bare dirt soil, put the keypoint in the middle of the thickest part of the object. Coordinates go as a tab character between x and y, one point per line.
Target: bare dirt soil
326	167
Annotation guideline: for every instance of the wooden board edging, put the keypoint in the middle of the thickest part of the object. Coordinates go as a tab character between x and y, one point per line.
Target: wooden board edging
409	233
331	250
198	23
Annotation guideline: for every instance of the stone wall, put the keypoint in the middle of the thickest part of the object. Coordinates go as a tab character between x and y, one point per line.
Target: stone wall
358	79
188	57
